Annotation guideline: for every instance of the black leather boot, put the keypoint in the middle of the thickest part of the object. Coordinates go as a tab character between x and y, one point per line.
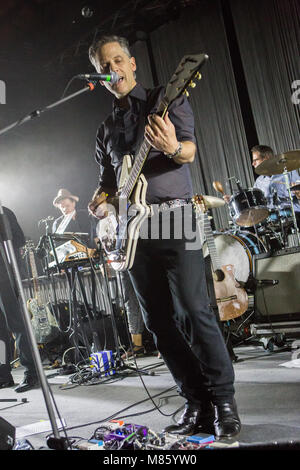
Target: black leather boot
29	382
193	419
227	422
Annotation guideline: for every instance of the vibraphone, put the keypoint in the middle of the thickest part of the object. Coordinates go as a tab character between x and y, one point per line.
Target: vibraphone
55	289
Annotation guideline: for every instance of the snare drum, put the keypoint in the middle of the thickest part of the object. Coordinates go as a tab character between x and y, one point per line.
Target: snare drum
237	249
248	207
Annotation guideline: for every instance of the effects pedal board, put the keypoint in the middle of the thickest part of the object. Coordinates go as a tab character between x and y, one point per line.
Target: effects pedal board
118	435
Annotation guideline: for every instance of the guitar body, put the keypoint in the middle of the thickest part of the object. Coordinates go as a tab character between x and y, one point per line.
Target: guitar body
44	325
119	230
232	299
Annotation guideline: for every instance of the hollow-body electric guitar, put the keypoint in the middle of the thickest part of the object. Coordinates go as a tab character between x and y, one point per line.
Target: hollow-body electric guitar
231	298
119	230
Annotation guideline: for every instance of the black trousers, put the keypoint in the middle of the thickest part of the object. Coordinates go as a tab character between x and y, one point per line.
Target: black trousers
11	321
169	278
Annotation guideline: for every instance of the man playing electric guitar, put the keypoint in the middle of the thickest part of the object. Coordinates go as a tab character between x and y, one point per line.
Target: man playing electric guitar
168	278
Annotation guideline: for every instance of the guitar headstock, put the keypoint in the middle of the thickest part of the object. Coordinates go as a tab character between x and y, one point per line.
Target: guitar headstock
199	203
29	245
187	70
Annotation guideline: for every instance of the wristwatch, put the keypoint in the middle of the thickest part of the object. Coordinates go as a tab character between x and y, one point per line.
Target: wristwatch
176	153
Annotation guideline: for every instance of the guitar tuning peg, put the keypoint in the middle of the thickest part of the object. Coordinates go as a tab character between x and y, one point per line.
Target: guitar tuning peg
192	84
186	93
198	76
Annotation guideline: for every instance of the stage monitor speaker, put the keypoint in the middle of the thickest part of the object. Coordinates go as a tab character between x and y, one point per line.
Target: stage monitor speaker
282	299
7	435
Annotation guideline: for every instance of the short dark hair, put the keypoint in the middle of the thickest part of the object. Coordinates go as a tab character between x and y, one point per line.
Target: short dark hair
94	48
264	150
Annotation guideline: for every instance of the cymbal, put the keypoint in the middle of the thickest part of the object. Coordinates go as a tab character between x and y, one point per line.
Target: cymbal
296	187
276	165
212	201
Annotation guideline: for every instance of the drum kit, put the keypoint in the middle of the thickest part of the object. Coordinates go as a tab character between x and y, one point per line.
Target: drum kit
256	228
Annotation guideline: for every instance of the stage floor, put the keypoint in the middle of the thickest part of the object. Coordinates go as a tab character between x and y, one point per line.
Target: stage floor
267	393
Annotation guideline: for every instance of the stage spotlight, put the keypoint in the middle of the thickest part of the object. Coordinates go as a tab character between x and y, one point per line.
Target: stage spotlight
87	12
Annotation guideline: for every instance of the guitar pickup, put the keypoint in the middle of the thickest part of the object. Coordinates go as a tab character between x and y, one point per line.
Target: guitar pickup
226	299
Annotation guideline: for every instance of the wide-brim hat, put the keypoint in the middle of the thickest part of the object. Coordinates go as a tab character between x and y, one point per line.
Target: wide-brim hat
63	194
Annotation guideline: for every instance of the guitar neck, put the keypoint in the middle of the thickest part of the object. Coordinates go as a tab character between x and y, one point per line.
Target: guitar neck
140	158
36	287
210	240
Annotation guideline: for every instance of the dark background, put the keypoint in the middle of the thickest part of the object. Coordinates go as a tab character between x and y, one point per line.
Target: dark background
243	99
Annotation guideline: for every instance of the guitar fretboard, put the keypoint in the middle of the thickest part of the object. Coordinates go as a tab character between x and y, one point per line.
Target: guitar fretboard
36	286
203	220
210	239
140	158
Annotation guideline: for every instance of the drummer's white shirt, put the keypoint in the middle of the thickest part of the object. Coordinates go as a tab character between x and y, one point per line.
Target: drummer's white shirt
272	185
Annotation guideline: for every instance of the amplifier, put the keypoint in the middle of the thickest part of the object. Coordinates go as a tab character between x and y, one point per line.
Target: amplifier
280	301
7	435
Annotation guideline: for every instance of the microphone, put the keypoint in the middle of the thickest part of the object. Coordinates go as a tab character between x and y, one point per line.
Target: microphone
112	77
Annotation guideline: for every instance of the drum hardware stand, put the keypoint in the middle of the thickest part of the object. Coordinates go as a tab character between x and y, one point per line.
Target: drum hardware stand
285	173
57	442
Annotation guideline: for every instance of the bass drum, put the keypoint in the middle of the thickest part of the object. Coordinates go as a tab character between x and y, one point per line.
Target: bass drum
238	249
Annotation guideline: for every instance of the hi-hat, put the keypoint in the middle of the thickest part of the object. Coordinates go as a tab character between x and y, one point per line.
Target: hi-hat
212	201
279	163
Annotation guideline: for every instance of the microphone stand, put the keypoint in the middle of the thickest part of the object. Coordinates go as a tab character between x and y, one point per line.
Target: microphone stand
6	236
285	173
37	113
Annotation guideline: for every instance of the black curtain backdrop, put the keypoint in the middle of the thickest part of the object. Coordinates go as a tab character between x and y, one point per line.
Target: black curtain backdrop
220	132
268	34
244	98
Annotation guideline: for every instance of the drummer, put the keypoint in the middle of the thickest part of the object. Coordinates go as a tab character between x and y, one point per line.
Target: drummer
274	187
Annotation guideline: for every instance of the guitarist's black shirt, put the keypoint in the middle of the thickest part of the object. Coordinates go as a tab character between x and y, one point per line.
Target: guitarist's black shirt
122	133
